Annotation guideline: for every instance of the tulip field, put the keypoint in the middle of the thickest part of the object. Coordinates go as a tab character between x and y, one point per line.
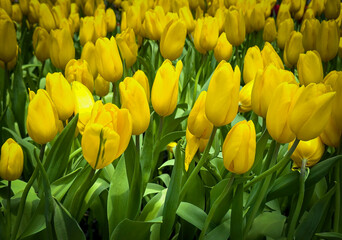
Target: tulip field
181	119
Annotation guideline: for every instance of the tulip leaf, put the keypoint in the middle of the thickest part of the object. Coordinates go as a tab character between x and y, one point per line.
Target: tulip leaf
65	225
153	188
330	235
146	155
236	228
62	185
152	208
221	232
171	137
192	214
168	163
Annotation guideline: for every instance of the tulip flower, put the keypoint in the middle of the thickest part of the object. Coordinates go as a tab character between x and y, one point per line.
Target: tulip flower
8	40
317	6
17	15
62	48
89	55
24	6
309	14
128	46
283	12
258	18
197	36
12	160
74	19
46	19
154	23
293	47
88	7
309	67
58	15
270	56
270	31
310	110
245	95
41	43
165	4
87	30
311	150
134	18
235	27
164	93
223	49
332	9
300	12
33	13
284	30
142	79
42	117
133	98
277	118
101	86
110	20
186	15
193	144
310	28
65	6
106	135
79	70
173	39
7	6
327	40
238	150
253	62
100	26
331	134
220	17
109	63
61	95
222	99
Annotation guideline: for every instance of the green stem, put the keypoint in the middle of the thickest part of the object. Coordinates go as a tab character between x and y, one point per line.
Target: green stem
271	170
160	129
211	169
9	210
215	206
296	213
4	92
201	162
236	223
337	197
74	153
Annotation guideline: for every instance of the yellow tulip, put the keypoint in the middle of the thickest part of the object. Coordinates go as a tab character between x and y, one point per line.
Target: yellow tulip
331	134
110	20
65	6
283	12
12	160
42	118
235	26
46	19
100	26
58	15
17	15
293	47
284	30
88	7
7	6
186	15
165	4
164	93
133	98
24	6
106	135
8	40
41	43
238	150
317	6
245	95
270	56
74	20
193	144
309	67
11	64
62	48
79	70
61	95
33	13
142	79
220	17
197	36
134	18
154	23
332	9
310	110
89	55
87	30
300	12
101	86
253	62
309	14
270	31
223	49
310	28
109	63
128	46
222	100
327	40
178	4
258	18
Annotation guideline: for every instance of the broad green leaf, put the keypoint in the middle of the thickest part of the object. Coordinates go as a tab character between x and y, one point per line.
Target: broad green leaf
146	154
153	188
165	178
62	185
330	235
236	228
192	214
221	232
168	163
132	230
129	159
152	208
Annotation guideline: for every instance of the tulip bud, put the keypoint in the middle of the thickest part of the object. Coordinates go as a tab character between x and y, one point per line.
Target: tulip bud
110	20
197	36
193	144
142	79
89	55
41	43
133	98
46	19
7	6
235	27
178	4
108	62
74	19
100	26
103	142
327	40
317	6
258	18
310	110
238	150
332	9
310	28
220	17
283	12
309	67
293	47
11	64
79	70
128	46
74	8
222	100
331	134
24	6
62	48
300	12
65	6
309	14
134	18
153	25
42	117
284	30
165	88
88	7
123	24
60	93
173	39
253	62
270	31
17	15
101	86
58	15
8	40
87	30
311	150
270	56
12	160
223	49
33	14
186	15
245	95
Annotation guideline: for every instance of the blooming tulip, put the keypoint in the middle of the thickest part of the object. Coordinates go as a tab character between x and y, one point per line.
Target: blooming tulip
33	13
332	9
62	48
7	6
128	46
186	15
134	18
154	21
310	68
79	70
17	15
8	39
223	49
253	62
100	26
12	160
110	20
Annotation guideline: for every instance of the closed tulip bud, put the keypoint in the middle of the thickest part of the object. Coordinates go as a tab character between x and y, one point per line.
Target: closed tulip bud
46	19
11	64
222	100
101	86
110	20
235	27
277	118
128	46
17	15
311	150
33	14
7	6
100	26
87	30
310	110
74	19
253	62
186	15
165	4
193	144
309	14
133	98
65	6
309	67
154	23
310	29
60	93
103	142
331	134
258	17
84	102
134	18
173	39
12	160
58	15
238	150
270	56
79	70
74	8
89	7
300	12
197	36
178	4
8	40
245	95
317	6
284	31
209	33
327	40
223	49
109	63
164	93
220	17
332	9
293	47
89	55
142	79
248	20
123	24
24	6
42	117
270	31
198	123
62	48
283	12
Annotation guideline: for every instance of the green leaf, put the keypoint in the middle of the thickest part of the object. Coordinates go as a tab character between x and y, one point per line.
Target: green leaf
221	232
57	159
165	178
62	185
132	230
171	137
236	228
192	214
330	235
146	155
129	159
168	163
152	208
65	226
153	188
